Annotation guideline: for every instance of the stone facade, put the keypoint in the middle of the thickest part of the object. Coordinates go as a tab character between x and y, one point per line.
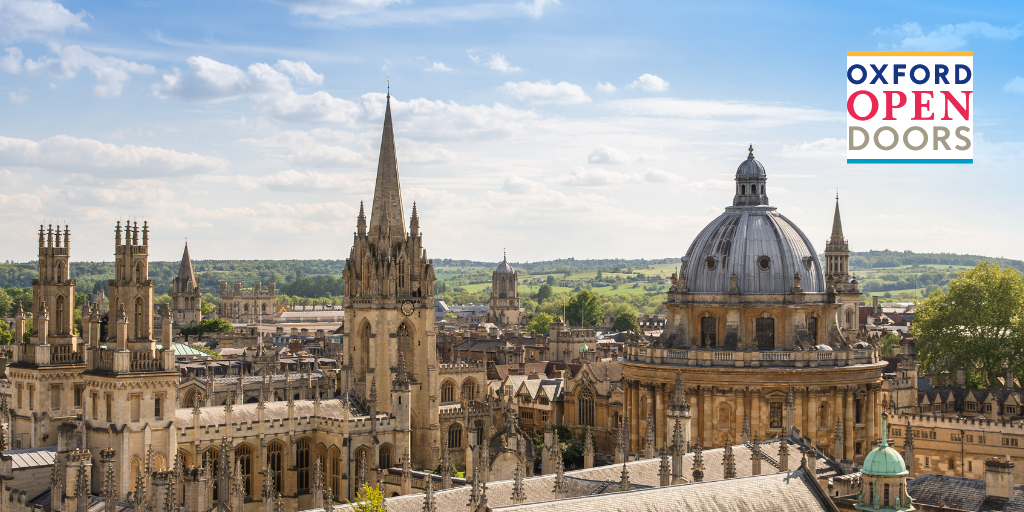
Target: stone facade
505	311
247	305
186	300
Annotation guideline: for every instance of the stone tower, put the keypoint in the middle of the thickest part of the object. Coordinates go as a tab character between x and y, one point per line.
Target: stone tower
186	300
837	272
45	373
389	306
504	295
131	385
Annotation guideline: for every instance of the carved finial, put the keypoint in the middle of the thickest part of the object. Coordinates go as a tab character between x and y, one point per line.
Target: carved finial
751	149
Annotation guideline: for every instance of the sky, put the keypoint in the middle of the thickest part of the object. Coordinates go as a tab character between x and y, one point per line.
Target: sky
547	128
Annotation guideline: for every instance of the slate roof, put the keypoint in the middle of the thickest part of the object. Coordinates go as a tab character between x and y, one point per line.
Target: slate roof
961	494
248	413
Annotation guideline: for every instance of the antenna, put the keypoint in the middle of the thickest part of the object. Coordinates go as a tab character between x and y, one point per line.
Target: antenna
389	85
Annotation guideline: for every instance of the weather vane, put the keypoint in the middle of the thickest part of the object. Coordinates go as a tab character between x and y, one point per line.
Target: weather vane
389	85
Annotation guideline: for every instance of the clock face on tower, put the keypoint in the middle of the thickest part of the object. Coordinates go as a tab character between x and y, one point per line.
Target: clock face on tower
407	308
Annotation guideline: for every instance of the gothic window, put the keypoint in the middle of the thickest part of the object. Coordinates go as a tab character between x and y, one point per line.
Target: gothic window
334	470
724	415
61	312
62	273
243	460
139	311
849	319
469	389
185	457
812	329
302	464
708	334
274	462
138	273
455	435
263	308
246	309
211	458
775	415
478	426
447	392
824	416
159	463
135	468
385	456
405	341
765	332
586	407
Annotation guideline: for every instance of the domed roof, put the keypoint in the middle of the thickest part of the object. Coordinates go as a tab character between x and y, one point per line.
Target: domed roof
753	242
504	267
584	347
884	460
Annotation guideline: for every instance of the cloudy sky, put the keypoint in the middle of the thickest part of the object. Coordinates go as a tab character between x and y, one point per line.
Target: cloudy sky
554	128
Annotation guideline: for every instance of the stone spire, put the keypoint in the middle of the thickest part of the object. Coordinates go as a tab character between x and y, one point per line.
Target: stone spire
414	222
908	450
745	434
474	492
402	375
317	486
237	488
387	195
664	469
223	475
108	458
679	404
185	272
624	478
838	453
561	488
328	500
755	456
361	221
620	442
678	449
729	460
790	412
649	434
698	463
268	484
518	493
428	497
837	225
170	496
784	454
481	505
446	468
588	450
139	497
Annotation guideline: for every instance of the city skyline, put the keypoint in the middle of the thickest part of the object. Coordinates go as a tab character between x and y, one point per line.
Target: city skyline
555	129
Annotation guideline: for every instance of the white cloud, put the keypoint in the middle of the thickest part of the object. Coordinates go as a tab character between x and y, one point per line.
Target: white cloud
295	181
947	37
609	155
111	72
331	9
20	202
650	83
67	154
1016	85
536	9
755	114
498	63
17	96
320	147
300	72
582	177
11	63
656	176
438	66
824	148
21	19
544	92
606	87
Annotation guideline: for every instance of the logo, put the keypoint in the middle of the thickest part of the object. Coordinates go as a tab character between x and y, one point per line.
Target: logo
910	107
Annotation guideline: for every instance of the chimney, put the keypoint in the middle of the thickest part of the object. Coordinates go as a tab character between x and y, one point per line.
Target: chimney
874	305
998	479
1009	379
961	377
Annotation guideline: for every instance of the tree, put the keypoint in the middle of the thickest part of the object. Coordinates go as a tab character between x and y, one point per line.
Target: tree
206	307
544	292
978	325
208	325
369	499
540	323
550	280
626	321
6	304
888	342
6	336
584	308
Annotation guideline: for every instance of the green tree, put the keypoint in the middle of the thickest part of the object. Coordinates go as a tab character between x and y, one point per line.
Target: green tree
369	499
978	325
206	326
6	336
888	342
6	304
584	308
206	307
626	321
550	280
544	292
540	323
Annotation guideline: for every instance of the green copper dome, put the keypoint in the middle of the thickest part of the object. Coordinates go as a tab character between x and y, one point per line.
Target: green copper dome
584	347
884	460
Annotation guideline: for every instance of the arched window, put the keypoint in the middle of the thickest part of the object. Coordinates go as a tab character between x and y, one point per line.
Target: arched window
135	468
385	456
185	457
190	398
405	342
469	389
708	332
211	459
159	463
447	392
62	272
586	408
362	352
724	415
245	309
765	333
302	464
334	470
849	319
139	307
812	329
824	416
61	311
455	435
478	426
138	273
274	462
243	460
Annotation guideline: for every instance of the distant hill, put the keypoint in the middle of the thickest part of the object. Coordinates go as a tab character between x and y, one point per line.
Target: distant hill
890	259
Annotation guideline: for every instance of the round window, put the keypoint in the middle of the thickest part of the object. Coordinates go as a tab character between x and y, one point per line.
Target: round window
711	262
764	262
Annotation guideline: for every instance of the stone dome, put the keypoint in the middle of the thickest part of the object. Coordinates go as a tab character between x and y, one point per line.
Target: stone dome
753	242
504	267
884	460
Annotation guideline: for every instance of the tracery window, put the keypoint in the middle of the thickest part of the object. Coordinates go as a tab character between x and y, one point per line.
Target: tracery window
302	464
775	415
447	392
586	408
274	451
455	435
405	341
243	460
812	329
469	389
385	456
334	465
61	312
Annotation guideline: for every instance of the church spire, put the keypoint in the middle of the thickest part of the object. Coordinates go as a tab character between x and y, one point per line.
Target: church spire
185	270
387	194
837	225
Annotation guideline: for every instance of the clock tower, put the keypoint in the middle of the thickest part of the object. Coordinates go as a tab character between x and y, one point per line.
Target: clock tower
389	309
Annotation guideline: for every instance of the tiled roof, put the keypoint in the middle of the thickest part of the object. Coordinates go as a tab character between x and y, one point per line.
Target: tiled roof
960	493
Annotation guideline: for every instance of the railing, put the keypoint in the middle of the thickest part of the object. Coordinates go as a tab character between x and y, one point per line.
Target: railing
678	354
751	358
722	356
65	354
826	355
105	360
28	353
144	361
776	356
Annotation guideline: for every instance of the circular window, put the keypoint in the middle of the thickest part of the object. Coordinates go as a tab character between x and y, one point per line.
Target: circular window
711	262
764	262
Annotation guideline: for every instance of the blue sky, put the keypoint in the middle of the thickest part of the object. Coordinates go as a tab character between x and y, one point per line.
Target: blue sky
553	128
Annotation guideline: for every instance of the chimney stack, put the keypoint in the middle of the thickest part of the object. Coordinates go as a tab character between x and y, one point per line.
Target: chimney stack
998	479
961	377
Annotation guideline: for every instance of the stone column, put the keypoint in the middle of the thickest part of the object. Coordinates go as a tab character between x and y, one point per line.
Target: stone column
799	399
869	410
708	437
739	411
848	417
660	413
756	422
634	419
812	415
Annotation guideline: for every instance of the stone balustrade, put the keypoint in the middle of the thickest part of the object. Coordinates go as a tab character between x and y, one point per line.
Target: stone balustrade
751	358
